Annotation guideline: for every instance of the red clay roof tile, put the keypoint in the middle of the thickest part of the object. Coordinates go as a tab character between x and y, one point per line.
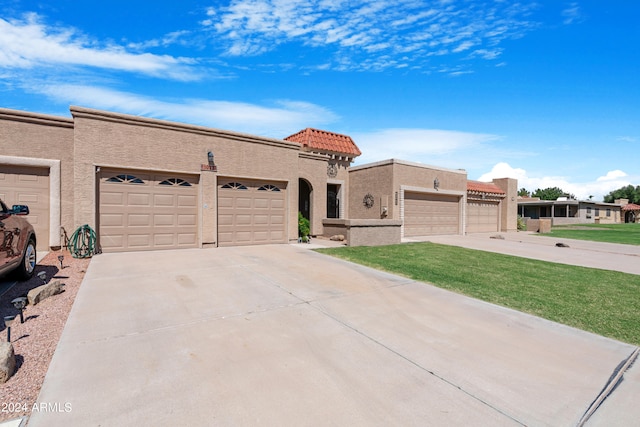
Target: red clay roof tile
484	187
321	140
631	207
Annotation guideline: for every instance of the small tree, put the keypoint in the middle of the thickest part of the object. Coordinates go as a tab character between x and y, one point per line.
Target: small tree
629	192
551	193
523	192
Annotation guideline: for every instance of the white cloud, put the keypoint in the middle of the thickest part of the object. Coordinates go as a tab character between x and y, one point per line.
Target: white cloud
430	146
359	29
572	14
612	176
30	44
282	118
598	188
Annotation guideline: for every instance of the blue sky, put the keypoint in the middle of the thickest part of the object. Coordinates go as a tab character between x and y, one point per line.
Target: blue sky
544	91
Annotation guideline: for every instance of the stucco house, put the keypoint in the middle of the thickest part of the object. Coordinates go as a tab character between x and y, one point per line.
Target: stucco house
147	184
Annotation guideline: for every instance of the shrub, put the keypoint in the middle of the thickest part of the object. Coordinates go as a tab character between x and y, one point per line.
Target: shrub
304	227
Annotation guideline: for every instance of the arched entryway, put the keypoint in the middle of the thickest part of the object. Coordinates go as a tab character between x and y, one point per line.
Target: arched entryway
304	198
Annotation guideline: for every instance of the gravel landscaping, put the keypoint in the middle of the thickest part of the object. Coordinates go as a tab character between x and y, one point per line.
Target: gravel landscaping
35	341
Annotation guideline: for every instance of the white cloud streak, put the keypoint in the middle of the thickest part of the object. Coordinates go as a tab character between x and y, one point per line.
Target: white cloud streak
598	188
282	118
430	146
30	44
365	31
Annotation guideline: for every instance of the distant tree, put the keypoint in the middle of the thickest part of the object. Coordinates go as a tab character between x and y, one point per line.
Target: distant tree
523	192
551	193
629	192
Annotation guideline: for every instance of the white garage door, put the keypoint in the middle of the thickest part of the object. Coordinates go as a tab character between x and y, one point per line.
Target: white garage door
482	217
28	186
427	214
251	212
141	211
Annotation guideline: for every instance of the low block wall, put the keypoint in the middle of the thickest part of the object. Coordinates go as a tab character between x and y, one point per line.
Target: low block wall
542	225
365	232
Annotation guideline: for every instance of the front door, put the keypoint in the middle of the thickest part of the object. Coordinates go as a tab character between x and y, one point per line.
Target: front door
333	203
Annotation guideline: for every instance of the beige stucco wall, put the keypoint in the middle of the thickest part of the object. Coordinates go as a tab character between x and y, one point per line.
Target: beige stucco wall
38	140
508	205
375	179
104	139
386	179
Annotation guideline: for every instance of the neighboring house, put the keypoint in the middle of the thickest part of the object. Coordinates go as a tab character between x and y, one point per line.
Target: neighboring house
570	211
146	184
630	211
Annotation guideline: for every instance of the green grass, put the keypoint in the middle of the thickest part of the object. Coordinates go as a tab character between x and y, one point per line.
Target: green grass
600	301
628	234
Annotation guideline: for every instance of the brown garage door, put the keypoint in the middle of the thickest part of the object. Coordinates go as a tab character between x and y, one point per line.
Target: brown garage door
28	186
482	217
141	211
428	214
251	212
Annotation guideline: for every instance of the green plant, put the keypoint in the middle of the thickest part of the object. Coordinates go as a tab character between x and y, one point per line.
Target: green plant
522	224
304	227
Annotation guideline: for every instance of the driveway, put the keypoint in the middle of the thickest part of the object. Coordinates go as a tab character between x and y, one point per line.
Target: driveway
280	335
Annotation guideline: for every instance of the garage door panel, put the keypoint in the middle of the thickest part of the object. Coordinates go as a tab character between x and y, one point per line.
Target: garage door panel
187	219
430	214
138	240
111	198
138	199
187	201
26	185
251	217
243	203
483	217
154	219
166	200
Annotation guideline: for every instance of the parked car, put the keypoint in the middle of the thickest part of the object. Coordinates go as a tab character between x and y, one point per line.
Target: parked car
17	242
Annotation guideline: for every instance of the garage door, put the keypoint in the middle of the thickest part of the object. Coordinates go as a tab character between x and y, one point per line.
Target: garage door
427	214
482	217
141	211
28	186
251	212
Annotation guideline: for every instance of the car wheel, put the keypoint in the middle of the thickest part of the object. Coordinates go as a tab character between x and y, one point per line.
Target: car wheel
28	264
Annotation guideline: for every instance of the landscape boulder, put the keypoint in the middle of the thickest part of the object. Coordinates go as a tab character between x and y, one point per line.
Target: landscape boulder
337	238
7	361
36	295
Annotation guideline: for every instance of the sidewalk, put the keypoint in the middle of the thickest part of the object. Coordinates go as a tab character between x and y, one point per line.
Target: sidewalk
606	256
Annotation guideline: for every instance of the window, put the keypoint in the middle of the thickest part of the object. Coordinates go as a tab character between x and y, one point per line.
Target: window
597	211
235	186
608	212
176	181
589	210
268	187
128	179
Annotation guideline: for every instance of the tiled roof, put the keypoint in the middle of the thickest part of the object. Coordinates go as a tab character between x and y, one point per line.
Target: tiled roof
484	187
631	207
320	140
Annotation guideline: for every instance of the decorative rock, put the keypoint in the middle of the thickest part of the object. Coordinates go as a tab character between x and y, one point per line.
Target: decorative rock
337	238
7	361
36	295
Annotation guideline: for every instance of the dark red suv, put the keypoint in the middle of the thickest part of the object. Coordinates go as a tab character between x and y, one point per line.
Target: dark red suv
17	242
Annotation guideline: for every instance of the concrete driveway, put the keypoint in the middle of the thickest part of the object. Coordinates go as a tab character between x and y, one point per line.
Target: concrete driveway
280	335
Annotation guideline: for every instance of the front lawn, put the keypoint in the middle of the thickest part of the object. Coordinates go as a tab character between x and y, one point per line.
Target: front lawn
628	234
600	301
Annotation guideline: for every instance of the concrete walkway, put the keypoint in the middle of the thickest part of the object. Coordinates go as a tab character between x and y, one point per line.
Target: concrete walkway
607	256
280	335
